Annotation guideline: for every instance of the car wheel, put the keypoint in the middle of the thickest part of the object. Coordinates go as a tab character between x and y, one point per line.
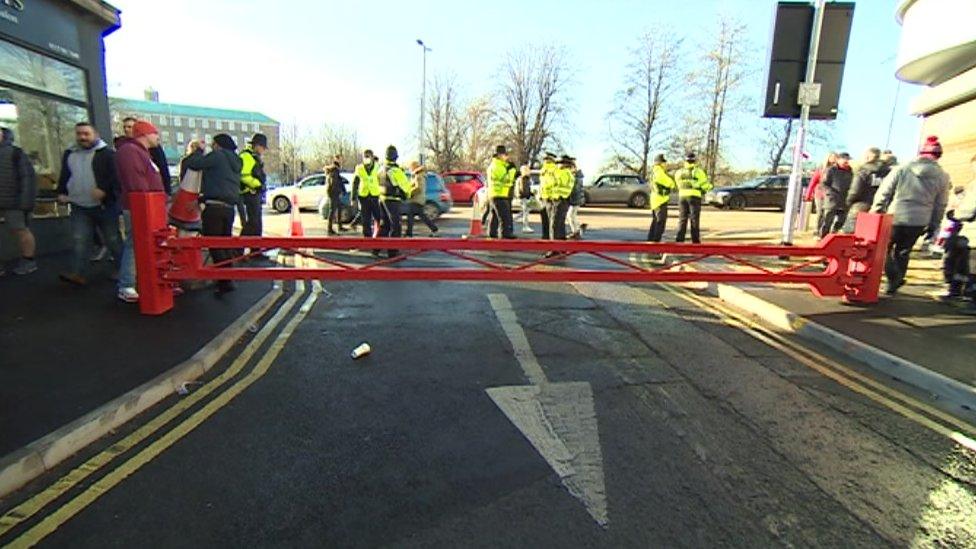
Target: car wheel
281	204
347	214
737	202
432	210
638	200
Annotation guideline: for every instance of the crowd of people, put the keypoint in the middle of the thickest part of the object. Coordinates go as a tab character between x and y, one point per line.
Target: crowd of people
920	197
96	179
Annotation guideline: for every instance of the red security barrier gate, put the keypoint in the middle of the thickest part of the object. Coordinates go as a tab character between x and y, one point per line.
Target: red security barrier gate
847	266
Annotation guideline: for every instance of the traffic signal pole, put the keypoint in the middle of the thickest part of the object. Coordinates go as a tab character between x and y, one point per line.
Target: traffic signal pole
809	96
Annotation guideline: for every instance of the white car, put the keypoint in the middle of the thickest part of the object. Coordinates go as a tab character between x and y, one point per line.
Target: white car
309	192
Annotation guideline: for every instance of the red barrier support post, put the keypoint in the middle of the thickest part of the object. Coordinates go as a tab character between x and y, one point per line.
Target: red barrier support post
149	228
873	234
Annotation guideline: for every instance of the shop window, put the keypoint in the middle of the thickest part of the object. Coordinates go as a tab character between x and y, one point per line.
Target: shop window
33	70
43	128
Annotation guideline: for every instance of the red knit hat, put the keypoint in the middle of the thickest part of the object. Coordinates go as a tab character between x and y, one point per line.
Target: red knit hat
143	127
931	147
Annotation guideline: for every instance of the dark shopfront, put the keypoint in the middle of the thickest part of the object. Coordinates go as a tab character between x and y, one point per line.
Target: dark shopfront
52	75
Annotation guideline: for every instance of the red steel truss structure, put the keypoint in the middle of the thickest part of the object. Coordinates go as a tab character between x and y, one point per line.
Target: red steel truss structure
847	266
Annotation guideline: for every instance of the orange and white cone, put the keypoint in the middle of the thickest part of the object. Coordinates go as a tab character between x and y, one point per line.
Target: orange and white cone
296	218
474	231
184	211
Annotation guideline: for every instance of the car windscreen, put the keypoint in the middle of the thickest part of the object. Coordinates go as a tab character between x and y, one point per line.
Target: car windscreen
434	183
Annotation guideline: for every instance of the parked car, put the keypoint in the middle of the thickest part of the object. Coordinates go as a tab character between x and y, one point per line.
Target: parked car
762	192
618	189
437	202
463	185
310	191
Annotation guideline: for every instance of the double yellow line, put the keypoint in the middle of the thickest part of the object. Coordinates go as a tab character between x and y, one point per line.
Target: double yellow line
53	521
932	418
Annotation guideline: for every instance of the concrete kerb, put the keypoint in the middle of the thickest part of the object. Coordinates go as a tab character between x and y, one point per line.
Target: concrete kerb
949	390
24	465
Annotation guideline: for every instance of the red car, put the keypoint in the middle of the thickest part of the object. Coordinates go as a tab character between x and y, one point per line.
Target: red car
463	185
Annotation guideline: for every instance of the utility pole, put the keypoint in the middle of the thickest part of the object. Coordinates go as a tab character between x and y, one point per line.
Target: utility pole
423	102
809	96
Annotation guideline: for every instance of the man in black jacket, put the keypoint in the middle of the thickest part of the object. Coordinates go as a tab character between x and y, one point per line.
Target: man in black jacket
335	187
836	184
220	192
866	182
18	192
89	182
157	154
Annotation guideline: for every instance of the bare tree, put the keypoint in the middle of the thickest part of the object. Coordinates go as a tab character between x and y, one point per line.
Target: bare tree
636	120
446	129
722	74
482	132
292	149
330	141
778	138
533	99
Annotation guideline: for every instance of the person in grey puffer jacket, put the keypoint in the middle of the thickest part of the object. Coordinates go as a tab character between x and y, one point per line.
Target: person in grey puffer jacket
916	194
18	192
219	191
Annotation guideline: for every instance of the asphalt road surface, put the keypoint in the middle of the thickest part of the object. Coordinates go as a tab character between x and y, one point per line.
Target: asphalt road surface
559	415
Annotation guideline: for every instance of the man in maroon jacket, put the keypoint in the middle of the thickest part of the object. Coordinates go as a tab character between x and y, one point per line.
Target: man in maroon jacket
137	173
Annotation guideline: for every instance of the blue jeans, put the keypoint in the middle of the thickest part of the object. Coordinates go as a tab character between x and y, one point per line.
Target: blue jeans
127	265
84	222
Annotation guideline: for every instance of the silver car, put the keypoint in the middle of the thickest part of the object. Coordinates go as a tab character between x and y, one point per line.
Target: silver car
618	189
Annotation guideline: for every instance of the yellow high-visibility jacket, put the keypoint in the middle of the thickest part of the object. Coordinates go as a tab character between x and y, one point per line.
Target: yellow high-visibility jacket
565	179
249	183
501	177
663	186
692	181
396	185
547	179
369	182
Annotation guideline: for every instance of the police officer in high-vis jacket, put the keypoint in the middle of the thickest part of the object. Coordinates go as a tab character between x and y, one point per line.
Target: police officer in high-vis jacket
562	188
395	187
662	185
692	184
547	181
253	181
501	180
366	187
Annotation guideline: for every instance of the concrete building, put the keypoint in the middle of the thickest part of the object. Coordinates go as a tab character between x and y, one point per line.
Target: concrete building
938	50
178	124
52	75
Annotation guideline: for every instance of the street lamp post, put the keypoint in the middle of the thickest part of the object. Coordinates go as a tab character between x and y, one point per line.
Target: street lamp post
423	100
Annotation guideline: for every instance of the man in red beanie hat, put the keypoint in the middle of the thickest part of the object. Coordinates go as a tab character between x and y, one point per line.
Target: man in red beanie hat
137	173
917	195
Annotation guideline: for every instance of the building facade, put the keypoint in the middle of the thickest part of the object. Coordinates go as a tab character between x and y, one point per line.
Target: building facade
180	124
938	50
52	75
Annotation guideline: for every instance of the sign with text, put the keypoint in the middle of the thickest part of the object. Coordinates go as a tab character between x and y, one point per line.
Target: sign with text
44	24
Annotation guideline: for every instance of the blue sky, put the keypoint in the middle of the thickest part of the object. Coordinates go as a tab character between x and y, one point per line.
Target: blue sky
356	64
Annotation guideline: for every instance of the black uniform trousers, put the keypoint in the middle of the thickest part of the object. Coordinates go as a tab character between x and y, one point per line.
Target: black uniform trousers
659	221
217	219
502	217
903	239
557	218
391	225
544	214
690	213
252	223
370	212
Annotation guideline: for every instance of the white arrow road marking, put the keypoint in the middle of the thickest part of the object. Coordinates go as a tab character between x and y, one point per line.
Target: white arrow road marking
558	419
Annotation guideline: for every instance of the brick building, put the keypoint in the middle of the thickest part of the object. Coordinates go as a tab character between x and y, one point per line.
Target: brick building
178	124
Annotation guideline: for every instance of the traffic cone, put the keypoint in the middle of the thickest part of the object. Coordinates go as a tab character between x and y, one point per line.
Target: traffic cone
296	218
184	212
474	231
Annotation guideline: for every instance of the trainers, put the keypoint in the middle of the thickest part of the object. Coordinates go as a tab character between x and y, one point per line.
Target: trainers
72	278
100	254
527	230
25	267
129	295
